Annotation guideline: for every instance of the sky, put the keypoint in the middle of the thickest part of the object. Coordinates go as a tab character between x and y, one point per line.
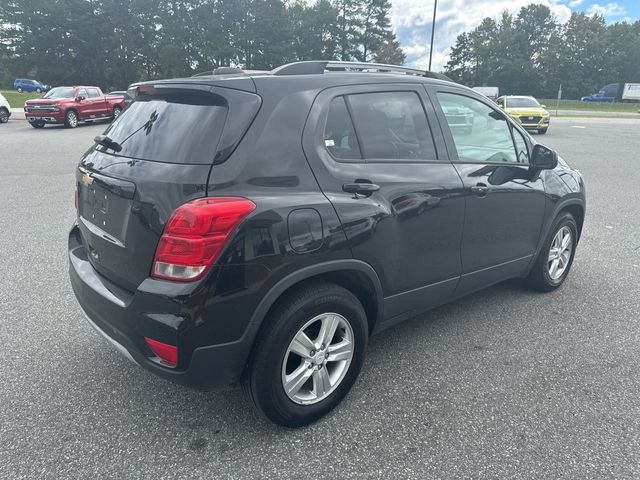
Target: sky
411	20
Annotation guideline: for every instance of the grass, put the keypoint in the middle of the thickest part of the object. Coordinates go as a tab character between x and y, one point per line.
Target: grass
590	107
16	100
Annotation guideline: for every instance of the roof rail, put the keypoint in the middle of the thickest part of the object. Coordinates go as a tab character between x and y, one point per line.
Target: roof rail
220	71
321	66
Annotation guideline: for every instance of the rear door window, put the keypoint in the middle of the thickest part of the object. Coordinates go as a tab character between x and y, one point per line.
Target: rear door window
173	126
392	126
93	92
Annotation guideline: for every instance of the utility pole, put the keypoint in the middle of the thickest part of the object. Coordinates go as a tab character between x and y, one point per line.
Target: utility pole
433	31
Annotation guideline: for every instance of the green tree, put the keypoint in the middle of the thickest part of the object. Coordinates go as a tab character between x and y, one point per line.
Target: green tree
390	52
375	28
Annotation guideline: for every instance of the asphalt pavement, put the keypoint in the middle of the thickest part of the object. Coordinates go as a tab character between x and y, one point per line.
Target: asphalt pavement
506	383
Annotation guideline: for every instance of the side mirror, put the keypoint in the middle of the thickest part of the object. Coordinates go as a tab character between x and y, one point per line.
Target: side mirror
543	106
79	98
543	158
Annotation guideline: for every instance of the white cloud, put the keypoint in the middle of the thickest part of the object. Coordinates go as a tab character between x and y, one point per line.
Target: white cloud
608	10
411	20
575	3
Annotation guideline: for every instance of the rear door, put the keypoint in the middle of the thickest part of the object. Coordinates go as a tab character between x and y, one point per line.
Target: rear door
505	200
169	139
95	105
383	165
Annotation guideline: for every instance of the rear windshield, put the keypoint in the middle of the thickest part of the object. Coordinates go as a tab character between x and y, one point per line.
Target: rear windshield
175	126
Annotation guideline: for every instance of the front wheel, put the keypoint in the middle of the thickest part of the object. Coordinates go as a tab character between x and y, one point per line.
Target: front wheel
71	119
37	124
116	113
38	90
19	90
4	115
556	257
309	354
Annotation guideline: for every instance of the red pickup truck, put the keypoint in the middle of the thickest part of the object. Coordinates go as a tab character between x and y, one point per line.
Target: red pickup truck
71	105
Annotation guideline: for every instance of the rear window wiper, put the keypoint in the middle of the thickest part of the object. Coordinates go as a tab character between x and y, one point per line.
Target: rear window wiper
105	141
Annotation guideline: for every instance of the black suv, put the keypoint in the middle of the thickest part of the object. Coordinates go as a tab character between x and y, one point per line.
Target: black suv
257	227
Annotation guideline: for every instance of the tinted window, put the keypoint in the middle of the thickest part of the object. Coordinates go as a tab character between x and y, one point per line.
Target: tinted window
93	92
392	125
339	134
82	93
175	127
480	133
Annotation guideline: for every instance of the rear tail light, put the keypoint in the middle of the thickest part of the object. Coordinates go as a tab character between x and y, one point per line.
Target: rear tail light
168	354
195	235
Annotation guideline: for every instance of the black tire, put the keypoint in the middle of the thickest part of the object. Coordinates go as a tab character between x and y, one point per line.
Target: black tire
71	119
19	90
540	277
4	115
38	90
264	379
542	131
116	113
37	124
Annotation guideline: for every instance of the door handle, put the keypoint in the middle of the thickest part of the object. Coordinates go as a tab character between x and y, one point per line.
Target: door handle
480	190
361	188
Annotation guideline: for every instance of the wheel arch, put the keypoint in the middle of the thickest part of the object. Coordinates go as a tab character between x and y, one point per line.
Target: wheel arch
354	275
577	212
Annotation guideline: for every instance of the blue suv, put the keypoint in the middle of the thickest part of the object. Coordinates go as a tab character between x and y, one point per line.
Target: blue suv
26	85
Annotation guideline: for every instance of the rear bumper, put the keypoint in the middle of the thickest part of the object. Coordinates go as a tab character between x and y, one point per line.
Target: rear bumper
125	318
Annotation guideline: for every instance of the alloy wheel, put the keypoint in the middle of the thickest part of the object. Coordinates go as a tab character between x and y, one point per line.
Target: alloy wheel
317	358
560	253
72	118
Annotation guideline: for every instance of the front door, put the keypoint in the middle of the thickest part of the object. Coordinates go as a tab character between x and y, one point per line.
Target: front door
505	200
383	165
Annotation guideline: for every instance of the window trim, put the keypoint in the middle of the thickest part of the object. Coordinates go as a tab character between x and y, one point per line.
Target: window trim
414	89
513	139
360	159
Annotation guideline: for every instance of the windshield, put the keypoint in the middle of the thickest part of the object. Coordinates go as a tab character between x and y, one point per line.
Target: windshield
173	127
522	103
60	92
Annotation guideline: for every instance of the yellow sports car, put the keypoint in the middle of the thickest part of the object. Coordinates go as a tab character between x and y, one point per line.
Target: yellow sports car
526	111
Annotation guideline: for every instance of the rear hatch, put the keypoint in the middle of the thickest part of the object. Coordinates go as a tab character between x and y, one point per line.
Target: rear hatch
160	157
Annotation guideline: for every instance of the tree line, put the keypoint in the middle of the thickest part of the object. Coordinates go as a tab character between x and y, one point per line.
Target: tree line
532	54
113	43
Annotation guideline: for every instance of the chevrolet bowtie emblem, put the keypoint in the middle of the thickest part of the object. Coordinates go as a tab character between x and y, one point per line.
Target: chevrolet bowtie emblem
86	180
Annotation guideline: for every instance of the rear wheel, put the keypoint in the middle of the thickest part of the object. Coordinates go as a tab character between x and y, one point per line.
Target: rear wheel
71	119
542	131
309	354
37	124
4	115
556	257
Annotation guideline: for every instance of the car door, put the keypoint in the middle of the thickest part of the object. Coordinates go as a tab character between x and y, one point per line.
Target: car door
84	105
384	167
504	198
94	103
